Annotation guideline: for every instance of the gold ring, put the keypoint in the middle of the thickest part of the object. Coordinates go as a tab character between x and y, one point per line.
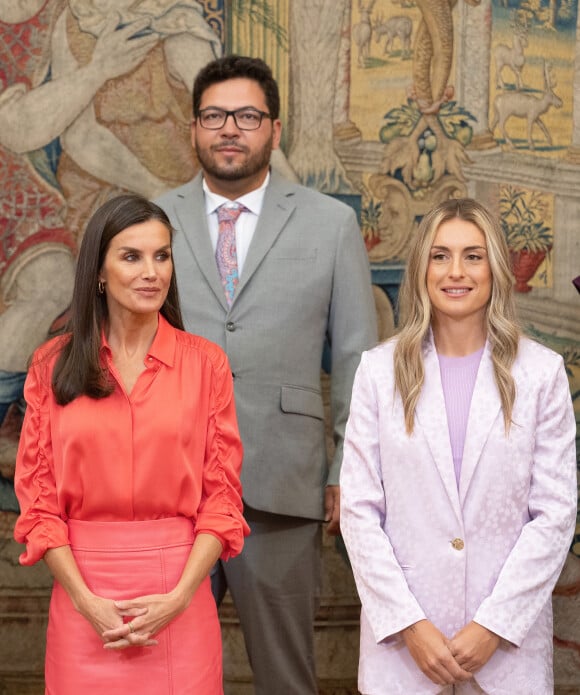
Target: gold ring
131	628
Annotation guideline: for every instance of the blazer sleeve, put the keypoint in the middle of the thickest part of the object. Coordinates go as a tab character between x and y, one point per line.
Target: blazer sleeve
40	524
387	600
352	327
220	509
531	570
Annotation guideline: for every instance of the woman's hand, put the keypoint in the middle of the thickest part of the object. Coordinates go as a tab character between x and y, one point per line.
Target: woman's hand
101	613
473	646
147	615
429	648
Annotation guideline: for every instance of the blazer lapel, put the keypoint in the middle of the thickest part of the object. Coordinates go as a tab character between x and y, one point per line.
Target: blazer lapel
484	410
276	210
432	417
190	211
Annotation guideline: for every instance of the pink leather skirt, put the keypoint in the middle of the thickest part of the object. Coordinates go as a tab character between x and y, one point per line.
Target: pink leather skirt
123	560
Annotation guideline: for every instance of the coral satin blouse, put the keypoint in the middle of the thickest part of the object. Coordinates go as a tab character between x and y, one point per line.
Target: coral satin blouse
170	448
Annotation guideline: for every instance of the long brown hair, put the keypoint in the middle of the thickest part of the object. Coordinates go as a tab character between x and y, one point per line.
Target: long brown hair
78	369
503	332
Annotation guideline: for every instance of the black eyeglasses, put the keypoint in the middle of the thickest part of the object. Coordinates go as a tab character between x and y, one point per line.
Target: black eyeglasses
247	118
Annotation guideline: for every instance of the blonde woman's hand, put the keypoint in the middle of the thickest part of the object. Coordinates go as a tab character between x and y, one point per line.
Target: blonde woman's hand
429	648
473	646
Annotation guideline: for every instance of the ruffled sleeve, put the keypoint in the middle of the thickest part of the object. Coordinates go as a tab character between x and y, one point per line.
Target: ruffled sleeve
40	524
220	510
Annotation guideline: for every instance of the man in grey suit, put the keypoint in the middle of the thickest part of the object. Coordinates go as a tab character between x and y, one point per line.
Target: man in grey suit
302	280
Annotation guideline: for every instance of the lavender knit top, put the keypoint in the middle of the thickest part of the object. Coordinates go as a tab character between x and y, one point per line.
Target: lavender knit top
458	376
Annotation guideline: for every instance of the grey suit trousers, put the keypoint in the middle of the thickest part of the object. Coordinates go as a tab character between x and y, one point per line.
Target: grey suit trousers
279	601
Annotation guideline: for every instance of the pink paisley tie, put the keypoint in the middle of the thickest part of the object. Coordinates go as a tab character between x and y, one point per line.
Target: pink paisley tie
225	253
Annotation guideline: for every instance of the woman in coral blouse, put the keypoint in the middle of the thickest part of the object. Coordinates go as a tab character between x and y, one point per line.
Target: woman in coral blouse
128	472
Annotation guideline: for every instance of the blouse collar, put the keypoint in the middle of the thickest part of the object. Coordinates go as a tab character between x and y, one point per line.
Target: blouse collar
163	345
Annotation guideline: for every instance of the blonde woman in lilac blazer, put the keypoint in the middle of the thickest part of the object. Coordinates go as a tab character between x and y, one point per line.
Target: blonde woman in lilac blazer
459	477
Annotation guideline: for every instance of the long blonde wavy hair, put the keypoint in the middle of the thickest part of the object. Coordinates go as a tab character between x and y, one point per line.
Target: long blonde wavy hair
503	332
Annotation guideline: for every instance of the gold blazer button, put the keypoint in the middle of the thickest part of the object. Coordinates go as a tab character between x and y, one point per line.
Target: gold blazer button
458	544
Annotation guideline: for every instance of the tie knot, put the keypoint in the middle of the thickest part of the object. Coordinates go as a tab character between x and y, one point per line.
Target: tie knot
229	212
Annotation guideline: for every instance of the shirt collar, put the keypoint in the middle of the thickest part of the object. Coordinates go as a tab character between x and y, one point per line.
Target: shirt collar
252	200
163	345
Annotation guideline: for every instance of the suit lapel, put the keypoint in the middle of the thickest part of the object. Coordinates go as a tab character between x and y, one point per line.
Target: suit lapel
190	211
277	208
432	418
484	410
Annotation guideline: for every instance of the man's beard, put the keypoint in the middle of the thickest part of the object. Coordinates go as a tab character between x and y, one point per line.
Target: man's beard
234	172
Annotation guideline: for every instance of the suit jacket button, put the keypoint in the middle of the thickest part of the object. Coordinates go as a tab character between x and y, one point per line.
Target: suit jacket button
230	326
458	544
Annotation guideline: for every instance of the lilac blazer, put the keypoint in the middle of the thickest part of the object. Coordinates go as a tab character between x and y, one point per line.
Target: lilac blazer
490	551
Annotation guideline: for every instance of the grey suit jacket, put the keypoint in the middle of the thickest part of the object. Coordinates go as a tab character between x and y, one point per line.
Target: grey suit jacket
305	279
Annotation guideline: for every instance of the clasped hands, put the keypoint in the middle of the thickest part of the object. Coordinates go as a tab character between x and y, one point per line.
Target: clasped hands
147	615
447	661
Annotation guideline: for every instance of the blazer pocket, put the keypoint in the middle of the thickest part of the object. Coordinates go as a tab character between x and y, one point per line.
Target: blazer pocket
301	401
293	254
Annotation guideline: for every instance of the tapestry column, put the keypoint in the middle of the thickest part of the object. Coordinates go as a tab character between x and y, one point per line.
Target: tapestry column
573	154
344	129
474	37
